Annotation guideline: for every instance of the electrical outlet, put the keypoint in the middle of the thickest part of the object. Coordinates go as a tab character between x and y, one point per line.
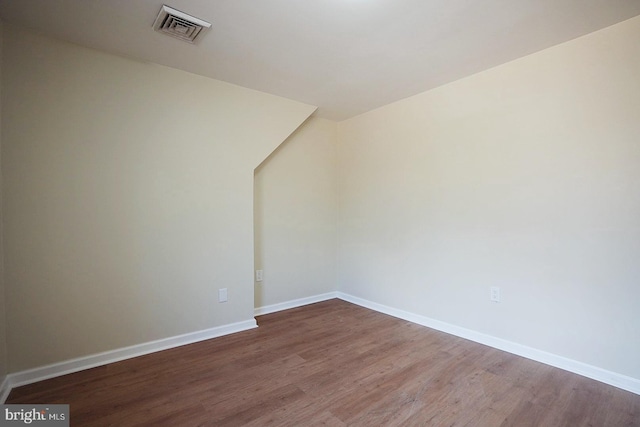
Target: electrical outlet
222	295
495	294
258	275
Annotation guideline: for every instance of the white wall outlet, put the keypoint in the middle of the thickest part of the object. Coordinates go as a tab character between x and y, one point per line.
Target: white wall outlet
495	294
222	295
258	275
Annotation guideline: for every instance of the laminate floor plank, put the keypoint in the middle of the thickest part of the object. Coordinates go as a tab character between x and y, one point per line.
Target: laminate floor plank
333	364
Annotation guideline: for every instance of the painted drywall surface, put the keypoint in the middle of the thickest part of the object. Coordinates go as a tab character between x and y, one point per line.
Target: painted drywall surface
526	177
295	216
3	329
128	196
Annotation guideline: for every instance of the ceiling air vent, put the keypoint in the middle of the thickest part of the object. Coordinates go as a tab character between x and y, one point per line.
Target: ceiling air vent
180	25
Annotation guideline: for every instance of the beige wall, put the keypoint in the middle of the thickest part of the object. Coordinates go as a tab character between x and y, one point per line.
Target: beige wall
295	216
128	197
3	328
526	177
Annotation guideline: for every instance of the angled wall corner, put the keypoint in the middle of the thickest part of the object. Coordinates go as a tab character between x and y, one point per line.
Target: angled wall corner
295	216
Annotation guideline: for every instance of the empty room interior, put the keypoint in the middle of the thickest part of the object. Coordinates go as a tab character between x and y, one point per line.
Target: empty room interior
346	212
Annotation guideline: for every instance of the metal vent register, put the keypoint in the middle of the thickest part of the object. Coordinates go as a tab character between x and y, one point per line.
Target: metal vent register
179	25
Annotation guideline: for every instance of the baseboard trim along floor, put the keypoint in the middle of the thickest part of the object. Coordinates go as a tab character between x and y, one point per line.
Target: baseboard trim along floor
612	378
5	389
81	363
259	311
42	373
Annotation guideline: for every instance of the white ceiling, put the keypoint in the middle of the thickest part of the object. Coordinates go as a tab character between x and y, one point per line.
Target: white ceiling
345	56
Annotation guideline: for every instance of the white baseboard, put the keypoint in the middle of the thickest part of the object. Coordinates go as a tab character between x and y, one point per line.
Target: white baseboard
74	365
612	378
294	303
45	372
4	389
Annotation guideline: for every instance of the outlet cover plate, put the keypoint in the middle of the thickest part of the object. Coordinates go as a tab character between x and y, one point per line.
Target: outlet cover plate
222	295
495	294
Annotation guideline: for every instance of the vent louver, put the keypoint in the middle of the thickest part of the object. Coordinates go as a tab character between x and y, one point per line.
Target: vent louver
179	25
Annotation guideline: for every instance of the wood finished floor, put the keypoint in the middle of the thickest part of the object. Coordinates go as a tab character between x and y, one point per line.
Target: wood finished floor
334	364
